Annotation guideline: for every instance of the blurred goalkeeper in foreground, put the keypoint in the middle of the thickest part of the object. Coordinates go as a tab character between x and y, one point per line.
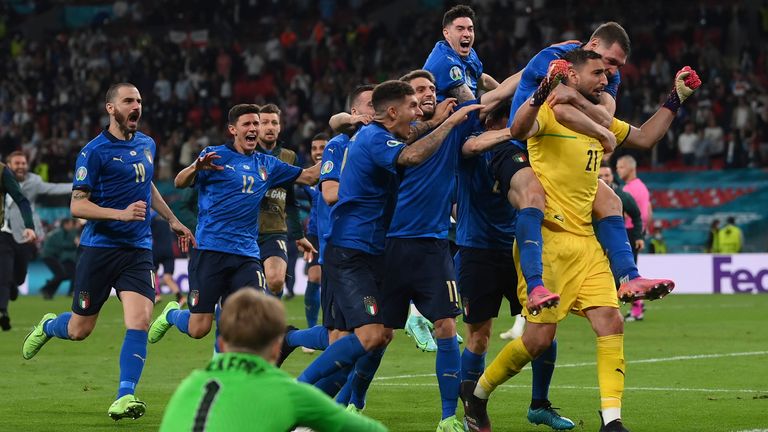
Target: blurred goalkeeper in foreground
242	390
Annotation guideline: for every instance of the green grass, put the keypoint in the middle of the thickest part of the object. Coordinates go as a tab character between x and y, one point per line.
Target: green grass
69	385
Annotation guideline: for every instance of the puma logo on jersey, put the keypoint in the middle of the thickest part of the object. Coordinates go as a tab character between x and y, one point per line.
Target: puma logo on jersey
560	218
532	242
117	158
230	167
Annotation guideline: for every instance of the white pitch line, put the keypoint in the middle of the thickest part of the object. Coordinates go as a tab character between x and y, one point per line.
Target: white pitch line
573	387
651	360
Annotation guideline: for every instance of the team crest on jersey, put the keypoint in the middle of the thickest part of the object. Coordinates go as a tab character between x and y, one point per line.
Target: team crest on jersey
82	173
133	153
394	143
194	297
327	167
455	73
465	302
371	308
148	155
263	173
519	158
84	300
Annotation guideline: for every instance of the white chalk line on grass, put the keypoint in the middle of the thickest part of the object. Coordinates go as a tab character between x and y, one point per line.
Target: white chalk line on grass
651	360
573	387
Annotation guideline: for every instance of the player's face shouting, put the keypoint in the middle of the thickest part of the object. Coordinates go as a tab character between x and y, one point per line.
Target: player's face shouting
19	166
126	108
270	128
246	132
316	150
406	113
425	93
460	35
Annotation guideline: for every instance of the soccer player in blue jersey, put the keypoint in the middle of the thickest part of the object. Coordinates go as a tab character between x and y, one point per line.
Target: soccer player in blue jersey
312	292
457	69
485	233
352	258
112	190
523	189
231	180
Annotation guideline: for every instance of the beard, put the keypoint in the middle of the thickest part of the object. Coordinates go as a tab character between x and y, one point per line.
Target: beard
122	123
590	96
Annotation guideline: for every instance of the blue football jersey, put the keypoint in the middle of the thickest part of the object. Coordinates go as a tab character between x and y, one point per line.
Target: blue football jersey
427	190
117	173
229	200
451	70
333	157
536	70
367	190
484	217
313	193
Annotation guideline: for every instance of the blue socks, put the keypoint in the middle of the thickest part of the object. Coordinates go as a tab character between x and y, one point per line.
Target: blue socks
339	355
529	241
472	365
132	358
543	368
180	319
57	327
331	385
315	337
447	368
365	368
346	392
613	237
312	303
216	315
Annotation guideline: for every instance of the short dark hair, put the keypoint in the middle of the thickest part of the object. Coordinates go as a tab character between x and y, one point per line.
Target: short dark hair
731	220
114	88
388	92
322	136
612	32
352	98
270	109
418	73
238	110
14	154
458	11
580	56
501	111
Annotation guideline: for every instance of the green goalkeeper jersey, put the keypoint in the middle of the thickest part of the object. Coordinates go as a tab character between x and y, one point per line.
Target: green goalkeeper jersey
243	392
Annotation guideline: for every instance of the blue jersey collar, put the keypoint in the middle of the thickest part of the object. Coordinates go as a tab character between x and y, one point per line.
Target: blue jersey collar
108	135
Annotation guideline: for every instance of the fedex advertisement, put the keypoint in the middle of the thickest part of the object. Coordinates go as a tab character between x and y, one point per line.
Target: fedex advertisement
709	274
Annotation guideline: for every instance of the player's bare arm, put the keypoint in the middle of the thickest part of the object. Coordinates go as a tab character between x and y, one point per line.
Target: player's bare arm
461	93
82	207
186	177
487	82
330	192
309	176
525	125
442	111
502	92
419	151
651	132
182	232
344	122
577	121
566	98
485	141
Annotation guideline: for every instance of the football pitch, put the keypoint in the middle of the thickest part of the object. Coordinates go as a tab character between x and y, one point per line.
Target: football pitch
697	363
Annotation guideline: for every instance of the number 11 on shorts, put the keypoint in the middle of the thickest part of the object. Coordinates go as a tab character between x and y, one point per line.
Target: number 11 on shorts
453	292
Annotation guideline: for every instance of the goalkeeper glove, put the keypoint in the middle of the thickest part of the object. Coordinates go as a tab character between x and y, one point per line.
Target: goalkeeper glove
555	73
686	82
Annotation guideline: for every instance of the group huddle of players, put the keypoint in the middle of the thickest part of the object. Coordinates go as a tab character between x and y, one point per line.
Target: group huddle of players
520	178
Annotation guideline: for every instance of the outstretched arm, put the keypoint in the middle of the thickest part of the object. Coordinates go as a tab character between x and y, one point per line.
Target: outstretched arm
503	92
419	151
347	123
485	141
183	233
186	177
487	82
524	125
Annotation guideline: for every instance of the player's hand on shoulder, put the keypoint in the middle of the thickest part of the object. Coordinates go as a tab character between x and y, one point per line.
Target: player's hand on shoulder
562	95
461	114
205	162
361	118
443	110
134	212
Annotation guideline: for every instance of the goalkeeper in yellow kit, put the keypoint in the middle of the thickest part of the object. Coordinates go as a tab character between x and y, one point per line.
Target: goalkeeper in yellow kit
575	266
241	390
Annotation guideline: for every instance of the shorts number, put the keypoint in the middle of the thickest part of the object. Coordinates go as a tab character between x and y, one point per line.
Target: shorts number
594	157
141	172
248	184
201	416
453	293
260	276
281	244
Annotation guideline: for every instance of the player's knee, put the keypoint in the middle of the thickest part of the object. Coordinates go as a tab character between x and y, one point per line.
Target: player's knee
445	328
374	339
606	203
198	330
275	284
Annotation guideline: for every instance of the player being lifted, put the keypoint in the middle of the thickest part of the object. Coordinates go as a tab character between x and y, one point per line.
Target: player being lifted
112	190
231	180
576	266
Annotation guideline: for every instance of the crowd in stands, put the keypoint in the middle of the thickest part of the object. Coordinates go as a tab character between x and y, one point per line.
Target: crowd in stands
305	56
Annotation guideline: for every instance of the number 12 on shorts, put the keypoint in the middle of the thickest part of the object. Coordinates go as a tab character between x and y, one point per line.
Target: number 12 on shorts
453	292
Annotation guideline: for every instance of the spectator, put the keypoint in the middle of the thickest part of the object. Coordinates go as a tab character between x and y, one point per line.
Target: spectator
714	228
729	238
657	244
59	254
686	143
